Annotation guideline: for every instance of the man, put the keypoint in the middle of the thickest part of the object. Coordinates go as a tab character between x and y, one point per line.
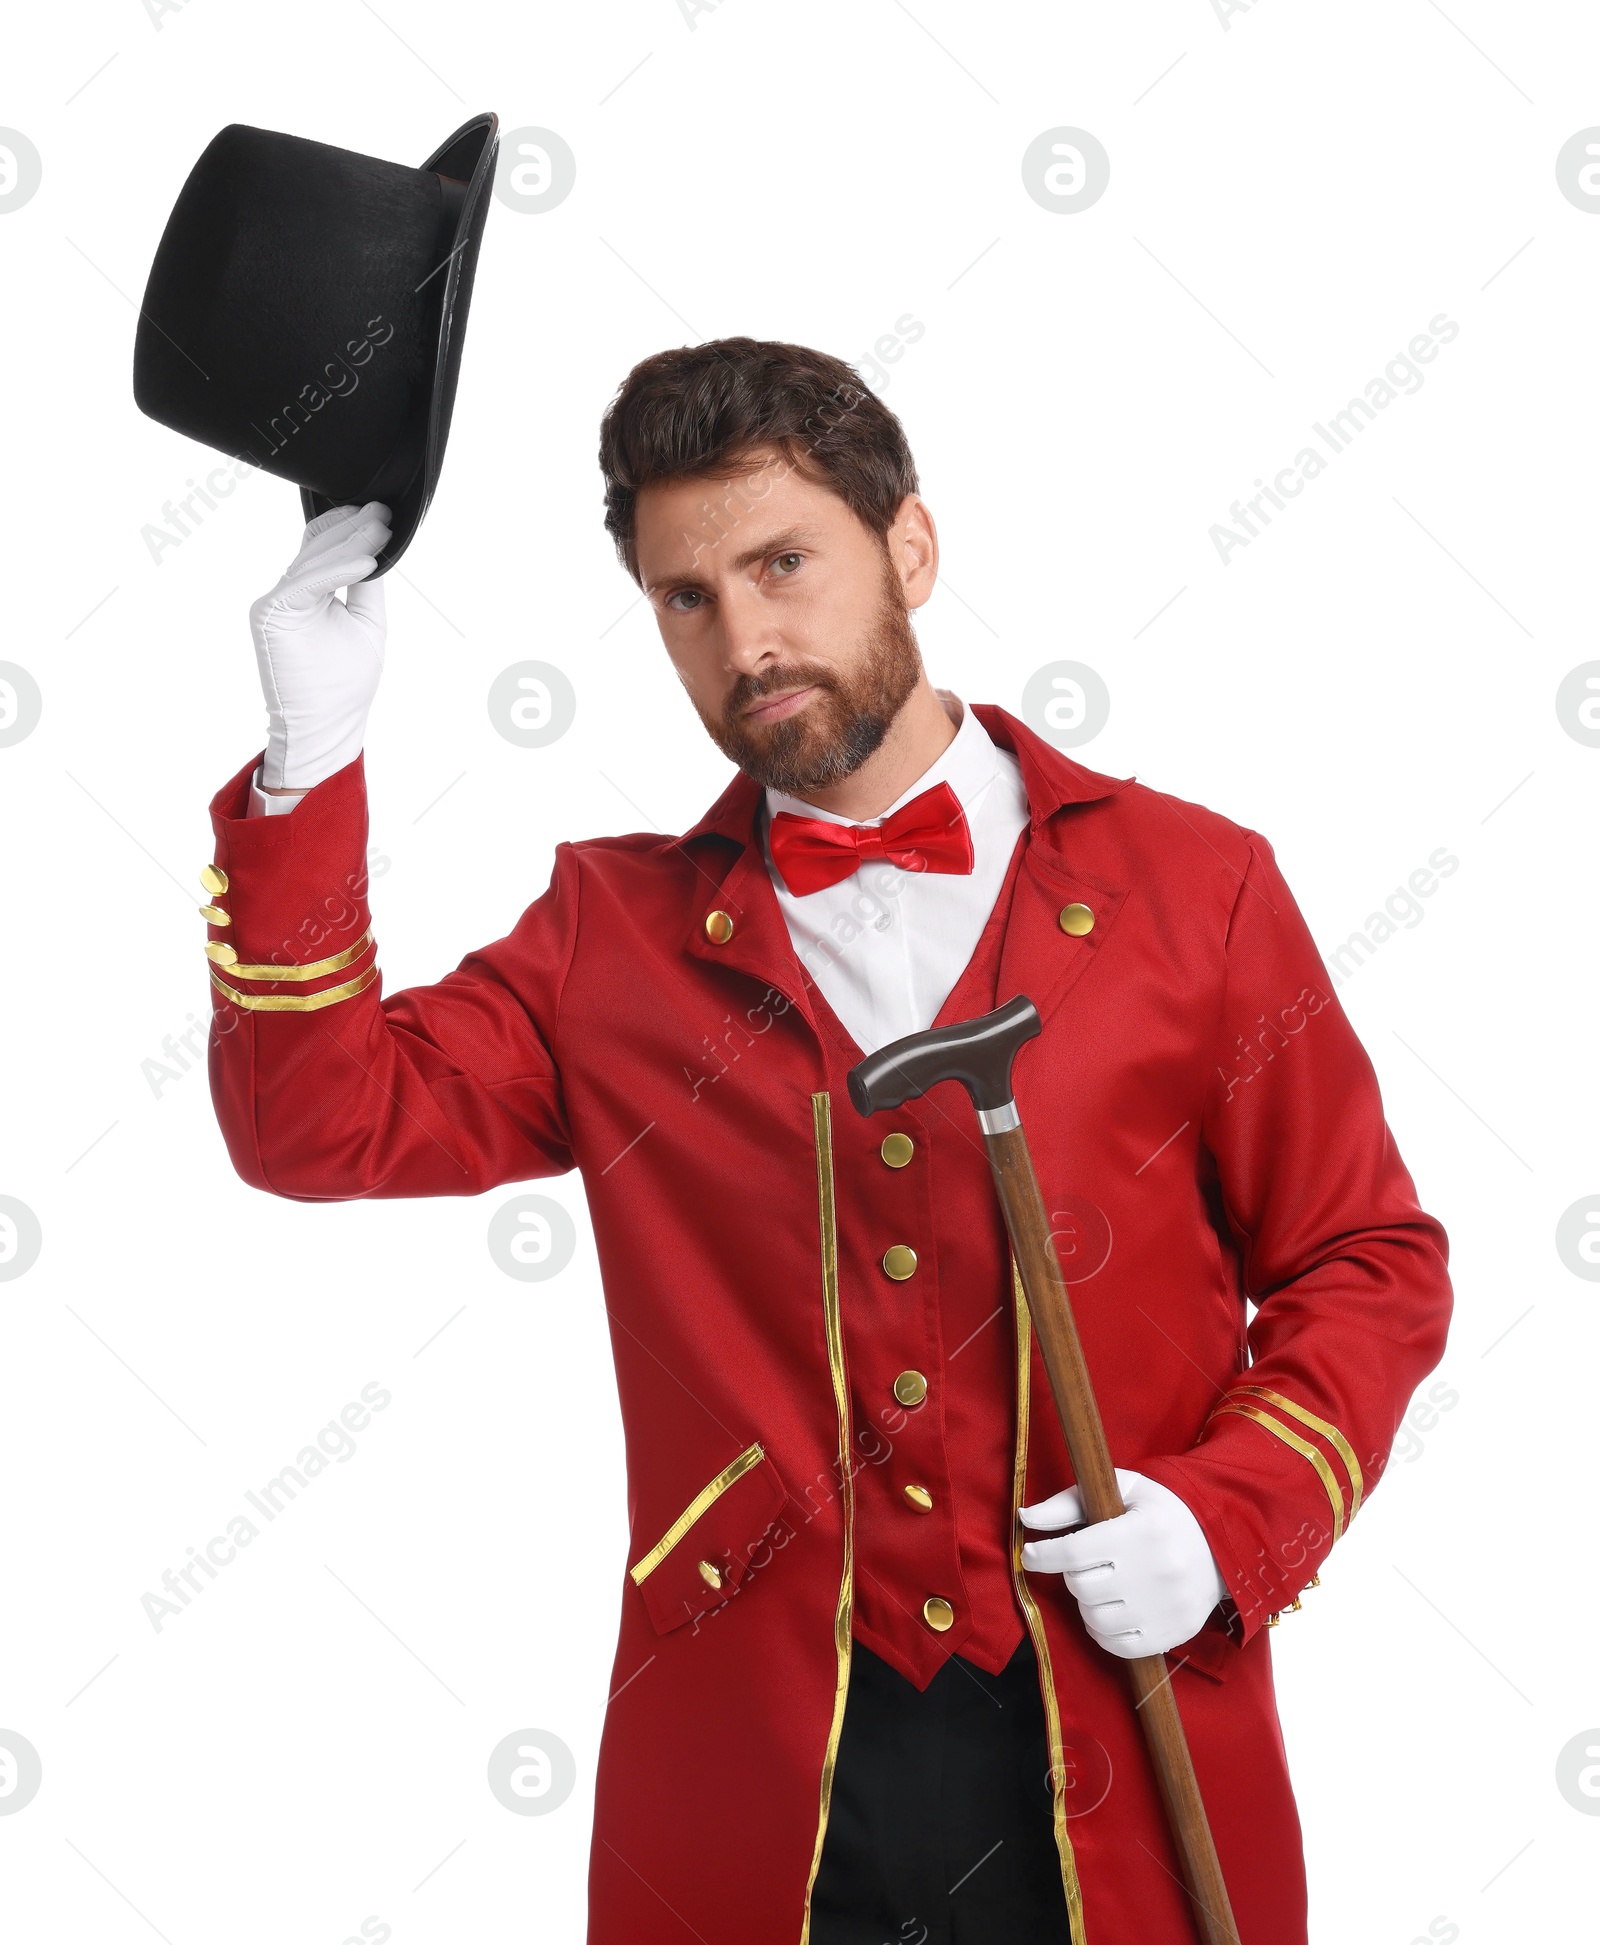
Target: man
868	1710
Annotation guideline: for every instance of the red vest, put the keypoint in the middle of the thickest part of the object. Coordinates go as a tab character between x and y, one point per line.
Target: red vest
947	1323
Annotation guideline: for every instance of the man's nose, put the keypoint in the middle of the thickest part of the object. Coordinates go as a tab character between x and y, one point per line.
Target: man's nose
750	635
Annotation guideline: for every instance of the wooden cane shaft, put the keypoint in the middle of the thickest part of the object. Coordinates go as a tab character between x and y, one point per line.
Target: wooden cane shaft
1054	1324
1028	1225
1151	1683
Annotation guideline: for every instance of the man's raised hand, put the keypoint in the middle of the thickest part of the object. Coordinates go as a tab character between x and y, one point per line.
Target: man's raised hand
320	657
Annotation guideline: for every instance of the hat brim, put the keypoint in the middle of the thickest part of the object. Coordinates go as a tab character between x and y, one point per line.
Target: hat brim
466	157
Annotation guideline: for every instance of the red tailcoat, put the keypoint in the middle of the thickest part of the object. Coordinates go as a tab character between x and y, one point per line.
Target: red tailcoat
1207	1131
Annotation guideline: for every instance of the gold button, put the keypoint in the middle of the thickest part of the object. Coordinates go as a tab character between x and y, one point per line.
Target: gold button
897	1150
938	1613
719	927
1076	920
911	1387
213	879
220	953
214	915
920	1498
710	1574
899	1262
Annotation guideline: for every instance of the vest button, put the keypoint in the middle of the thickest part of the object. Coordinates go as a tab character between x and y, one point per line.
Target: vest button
719	927
911	1387
900	1262
897	1150
213	879
918	1498
938	1613
1076	920
709	1574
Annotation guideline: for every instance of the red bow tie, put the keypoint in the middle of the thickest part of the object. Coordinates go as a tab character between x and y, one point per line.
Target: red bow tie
928	834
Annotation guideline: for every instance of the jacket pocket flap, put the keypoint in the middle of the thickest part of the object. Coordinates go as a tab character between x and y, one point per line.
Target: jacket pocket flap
704	1556
1213	1652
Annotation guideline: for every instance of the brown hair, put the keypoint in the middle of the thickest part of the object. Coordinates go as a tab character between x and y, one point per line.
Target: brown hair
693	412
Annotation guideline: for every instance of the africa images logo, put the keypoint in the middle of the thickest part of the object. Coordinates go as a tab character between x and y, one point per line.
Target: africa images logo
1401	376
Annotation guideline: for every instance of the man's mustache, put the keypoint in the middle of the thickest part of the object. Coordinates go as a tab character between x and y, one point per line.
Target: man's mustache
749	689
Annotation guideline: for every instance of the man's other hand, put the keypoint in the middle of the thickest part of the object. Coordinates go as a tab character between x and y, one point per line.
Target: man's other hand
1143	1582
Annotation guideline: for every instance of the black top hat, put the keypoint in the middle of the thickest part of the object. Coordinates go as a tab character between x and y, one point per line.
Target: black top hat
306	309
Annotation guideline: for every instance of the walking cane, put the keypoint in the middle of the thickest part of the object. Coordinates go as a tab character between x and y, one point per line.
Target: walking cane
979	1053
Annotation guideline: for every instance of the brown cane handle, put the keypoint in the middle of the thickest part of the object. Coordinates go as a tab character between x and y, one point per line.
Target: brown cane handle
1059	1345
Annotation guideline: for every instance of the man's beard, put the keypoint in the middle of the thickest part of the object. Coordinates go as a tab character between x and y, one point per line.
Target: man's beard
834	734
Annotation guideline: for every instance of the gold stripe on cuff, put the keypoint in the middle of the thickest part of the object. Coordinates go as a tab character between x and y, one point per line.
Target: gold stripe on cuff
315	970
1331	1433
1305	1448
296	1002
751	1455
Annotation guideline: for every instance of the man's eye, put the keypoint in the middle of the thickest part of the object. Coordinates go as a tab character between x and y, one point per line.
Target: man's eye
779	559
683	594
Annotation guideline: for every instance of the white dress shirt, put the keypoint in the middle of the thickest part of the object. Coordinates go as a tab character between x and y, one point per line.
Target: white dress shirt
261	805
887	945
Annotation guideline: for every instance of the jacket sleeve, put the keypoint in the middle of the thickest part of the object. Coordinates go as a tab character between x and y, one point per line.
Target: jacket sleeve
326	1090
1347	1272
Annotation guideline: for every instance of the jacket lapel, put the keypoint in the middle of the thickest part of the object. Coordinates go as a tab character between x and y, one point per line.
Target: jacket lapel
759	945
1038	958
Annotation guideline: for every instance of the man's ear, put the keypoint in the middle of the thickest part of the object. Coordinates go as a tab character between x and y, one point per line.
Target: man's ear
913	544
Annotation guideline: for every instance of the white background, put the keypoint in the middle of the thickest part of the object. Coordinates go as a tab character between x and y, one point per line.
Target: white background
1372	678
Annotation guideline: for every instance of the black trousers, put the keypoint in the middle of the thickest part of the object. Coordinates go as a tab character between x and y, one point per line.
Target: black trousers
939	1824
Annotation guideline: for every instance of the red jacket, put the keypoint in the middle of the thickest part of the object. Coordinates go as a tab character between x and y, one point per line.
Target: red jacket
1202	1117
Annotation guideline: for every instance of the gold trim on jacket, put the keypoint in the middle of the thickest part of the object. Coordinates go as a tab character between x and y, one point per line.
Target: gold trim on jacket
219	954
822	1131
1035	1620
295	1002
1331	1433
1269	1412
707	1495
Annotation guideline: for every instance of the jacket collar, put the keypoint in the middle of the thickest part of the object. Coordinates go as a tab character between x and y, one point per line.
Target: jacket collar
1051	780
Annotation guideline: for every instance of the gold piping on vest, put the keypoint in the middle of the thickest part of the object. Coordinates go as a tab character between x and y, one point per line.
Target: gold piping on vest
822	1130
1041	1647
296	1002
751	1455
1331	1433
314	971
1305	1448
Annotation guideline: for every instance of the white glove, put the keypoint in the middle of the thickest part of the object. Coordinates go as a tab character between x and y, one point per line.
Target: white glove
1143	1582
319	657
